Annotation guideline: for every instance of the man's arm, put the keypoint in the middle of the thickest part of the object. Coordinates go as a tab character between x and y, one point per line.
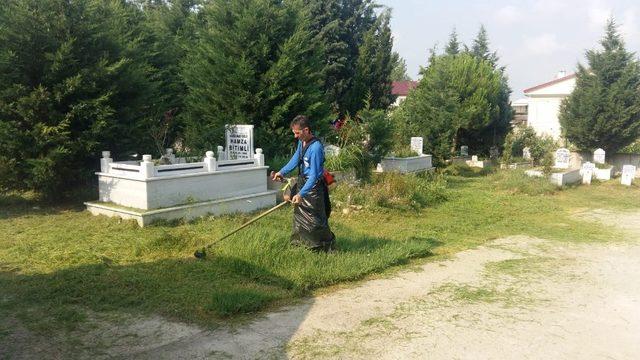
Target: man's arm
316	160
291	165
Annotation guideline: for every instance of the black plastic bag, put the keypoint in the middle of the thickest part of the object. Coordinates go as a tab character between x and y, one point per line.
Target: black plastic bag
311	218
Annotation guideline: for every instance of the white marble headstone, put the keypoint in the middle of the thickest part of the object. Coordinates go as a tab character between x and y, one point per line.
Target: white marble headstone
474	158
417	144
464	150
331	150
562	158
526	153
598	156
587	172
239	141
628	174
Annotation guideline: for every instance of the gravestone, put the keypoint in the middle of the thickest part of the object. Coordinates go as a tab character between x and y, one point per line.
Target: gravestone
526	153
417	144
562	158
239	141
598	156
494	152
331	150
587	172
628	174
464	150
474	158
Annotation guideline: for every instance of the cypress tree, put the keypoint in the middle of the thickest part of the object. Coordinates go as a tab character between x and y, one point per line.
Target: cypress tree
255	62
603	111
73	84
399	72
453	46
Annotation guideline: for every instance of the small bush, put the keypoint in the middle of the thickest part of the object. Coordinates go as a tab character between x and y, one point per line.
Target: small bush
540	147
394	191
464	170
517	182
403	152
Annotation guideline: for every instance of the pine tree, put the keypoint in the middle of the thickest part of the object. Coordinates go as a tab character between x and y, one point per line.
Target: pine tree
453	46
603	111
399	72
255	62
494	134
457	95
73	84
372	83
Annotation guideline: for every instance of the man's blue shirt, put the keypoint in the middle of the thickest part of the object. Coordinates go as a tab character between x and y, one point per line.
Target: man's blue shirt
312	165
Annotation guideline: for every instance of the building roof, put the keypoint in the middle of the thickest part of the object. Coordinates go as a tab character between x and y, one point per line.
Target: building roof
552	82
401	88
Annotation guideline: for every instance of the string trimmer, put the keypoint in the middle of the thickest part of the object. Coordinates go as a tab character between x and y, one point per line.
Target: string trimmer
201	254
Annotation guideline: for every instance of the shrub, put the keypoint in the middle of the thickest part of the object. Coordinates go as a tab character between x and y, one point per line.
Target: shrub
540	147
394	191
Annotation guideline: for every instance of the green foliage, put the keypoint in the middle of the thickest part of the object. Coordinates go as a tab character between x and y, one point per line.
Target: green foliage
348	159
456	95
453	46
603	111
254	62
364	140
540	147
517	182
633	148
395	191
73	84
399	72
356	44
372	81
404	151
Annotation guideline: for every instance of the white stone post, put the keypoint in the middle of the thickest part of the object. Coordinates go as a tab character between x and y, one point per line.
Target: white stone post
221	153
170	155
628	174
587	172
147	169
210	162
105	161
258	158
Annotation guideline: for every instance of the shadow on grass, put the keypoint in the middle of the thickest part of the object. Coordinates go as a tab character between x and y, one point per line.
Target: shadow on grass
17	205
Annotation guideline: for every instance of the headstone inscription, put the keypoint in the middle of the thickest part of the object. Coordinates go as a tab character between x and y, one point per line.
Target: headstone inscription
562	158
239	141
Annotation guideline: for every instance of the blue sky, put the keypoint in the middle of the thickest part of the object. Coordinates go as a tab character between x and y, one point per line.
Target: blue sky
534	39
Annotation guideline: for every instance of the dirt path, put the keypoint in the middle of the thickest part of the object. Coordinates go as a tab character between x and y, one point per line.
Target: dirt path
517	297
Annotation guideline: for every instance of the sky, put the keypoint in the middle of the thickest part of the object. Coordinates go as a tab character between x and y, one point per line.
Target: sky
534	39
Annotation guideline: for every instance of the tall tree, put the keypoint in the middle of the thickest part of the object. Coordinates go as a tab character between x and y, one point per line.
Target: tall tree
453	46
457	95
73	84
169	30
255	62
399	72
372	83
603	111
494	134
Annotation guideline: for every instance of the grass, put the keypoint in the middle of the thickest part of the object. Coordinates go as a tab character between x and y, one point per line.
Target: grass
56	263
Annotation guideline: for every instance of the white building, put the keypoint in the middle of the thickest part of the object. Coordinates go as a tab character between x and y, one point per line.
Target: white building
543	110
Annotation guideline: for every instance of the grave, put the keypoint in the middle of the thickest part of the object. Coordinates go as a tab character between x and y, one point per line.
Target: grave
561	173
474	162
145	191
601	173
410	164
587	172
628	174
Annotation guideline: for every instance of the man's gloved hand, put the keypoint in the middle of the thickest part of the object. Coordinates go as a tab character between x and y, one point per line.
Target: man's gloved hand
276	176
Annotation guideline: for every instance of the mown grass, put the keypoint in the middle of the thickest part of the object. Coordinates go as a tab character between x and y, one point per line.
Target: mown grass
58	262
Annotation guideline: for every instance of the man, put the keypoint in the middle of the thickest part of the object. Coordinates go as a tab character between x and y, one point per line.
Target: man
310	195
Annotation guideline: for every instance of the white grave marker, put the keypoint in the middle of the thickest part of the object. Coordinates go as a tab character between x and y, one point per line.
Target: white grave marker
598	156
526	153
331	150
587	172
464	150
562	158
474	158
416	144
628	174
239	141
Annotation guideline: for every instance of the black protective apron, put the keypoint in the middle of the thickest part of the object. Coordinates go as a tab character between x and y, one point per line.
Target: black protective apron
311	215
